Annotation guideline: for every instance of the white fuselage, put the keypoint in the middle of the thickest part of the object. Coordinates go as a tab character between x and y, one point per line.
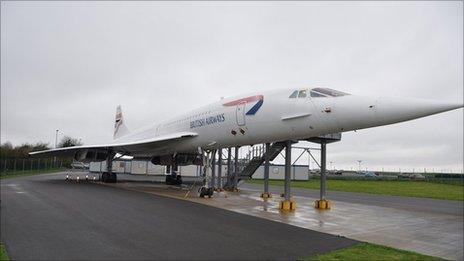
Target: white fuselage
240	120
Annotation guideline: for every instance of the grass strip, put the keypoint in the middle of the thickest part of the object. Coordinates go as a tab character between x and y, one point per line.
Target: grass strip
367	251
421	189
3	253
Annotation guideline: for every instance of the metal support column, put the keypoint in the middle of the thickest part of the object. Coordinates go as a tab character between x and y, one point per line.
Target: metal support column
322	202
236	168
287	203
323	169
219	181
203	169
288	169
229	165
266	193
213	169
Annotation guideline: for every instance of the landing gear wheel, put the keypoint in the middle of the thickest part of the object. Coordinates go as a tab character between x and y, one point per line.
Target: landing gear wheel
108	177
104	177
204	191
201	192
173	180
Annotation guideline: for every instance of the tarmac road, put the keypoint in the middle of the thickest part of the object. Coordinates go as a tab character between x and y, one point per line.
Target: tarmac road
45	217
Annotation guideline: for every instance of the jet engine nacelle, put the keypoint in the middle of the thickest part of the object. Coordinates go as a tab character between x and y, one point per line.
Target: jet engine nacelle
88	155
180	159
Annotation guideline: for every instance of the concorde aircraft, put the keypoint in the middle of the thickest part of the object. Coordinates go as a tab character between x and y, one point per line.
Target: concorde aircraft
254	118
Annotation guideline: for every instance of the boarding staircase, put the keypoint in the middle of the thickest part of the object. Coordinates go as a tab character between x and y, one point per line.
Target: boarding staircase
256	157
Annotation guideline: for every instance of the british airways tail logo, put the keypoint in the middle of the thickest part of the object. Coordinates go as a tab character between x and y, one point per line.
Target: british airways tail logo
259	99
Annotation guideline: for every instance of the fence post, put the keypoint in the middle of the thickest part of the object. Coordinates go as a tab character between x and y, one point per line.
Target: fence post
32	162
14	165
23	163
38	164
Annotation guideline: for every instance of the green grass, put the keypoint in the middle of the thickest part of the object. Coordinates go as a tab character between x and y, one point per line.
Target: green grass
3	253
13	174
366	251
385	187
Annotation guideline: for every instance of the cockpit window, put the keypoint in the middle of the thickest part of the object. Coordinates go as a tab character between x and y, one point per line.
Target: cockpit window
326	92
302	94
316	94
294	94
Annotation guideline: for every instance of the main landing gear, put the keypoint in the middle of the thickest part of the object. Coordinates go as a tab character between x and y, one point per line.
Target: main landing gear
173	179
204	191
208	185
108	177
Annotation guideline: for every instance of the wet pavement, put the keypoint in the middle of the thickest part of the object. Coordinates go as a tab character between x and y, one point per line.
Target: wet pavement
420	229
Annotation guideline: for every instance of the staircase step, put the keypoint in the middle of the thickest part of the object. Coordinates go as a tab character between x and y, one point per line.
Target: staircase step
255	162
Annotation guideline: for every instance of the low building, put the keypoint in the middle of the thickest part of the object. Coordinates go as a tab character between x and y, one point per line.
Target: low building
139	167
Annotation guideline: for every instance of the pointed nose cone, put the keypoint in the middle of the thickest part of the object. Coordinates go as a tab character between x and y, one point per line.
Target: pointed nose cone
394	110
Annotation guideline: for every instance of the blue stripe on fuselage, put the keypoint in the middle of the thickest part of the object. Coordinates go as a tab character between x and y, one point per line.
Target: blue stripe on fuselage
255	108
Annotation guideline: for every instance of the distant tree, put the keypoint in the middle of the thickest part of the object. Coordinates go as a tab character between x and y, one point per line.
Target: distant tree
67	141
40	146
8	151
7	145
23	150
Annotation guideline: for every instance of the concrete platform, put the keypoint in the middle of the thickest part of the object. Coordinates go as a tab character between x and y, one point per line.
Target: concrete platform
419	230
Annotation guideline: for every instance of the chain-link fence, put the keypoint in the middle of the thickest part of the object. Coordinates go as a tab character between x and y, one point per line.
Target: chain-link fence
32	165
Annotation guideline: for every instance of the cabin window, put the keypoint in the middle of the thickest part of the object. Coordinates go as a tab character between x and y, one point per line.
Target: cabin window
294	94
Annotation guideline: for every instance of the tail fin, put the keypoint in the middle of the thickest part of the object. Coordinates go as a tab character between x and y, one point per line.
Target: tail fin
120	128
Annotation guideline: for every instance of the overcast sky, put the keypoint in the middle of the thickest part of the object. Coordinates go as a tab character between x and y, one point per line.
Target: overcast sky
66	65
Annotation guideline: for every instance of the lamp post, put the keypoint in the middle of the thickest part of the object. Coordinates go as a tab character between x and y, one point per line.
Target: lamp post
56	138
56	143
359	164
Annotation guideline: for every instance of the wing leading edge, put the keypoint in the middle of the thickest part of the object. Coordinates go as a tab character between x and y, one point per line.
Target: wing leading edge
124	147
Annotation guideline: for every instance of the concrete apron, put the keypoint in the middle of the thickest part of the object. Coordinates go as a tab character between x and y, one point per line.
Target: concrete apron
427	233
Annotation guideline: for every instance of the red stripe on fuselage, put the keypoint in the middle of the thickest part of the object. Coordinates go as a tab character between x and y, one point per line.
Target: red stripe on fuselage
244	100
